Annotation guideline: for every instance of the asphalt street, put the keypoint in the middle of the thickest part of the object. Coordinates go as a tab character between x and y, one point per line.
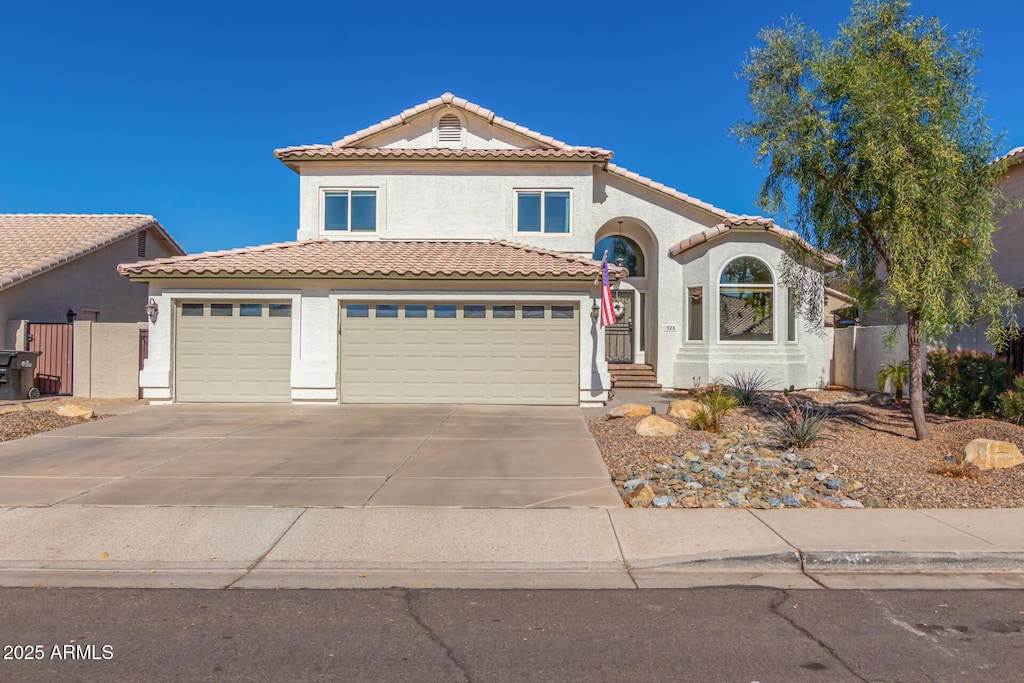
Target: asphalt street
714	634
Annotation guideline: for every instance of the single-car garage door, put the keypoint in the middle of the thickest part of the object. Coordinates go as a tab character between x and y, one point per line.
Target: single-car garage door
233	352
459	353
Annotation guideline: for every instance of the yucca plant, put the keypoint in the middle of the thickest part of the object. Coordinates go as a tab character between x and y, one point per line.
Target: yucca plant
748	386
800	426
897	373
714	406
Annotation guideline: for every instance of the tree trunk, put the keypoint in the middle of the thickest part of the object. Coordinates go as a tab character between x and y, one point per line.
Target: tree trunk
916	383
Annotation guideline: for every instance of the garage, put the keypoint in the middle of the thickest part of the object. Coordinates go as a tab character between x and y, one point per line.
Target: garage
442	352
233	352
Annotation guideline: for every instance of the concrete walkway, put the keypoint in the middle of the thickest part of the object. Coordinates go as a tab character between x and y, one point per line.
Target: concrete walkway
297	547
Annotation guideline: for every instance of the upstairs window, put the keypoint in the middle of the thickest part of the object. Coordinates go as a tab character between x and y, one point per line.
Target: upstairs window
543	211
350	210
449	131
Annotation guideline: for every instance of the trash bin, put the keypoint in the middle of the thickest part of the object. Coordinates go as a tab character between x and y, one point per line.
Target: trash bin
16	375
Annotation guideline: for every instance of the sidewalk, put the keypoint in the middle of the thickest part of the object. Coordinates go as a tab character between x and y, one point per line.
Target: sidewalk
291	547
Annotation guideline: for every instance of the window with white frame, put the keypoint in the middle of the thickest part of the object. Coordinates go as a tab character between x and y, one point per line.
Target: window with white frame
746	294
350	210
543	211
694	314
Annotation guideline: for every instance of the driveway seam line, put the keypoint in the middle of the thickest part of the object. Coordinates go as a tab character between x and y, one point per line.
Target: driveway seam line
267	551
567	495
115	480
622	554
409	457
963	531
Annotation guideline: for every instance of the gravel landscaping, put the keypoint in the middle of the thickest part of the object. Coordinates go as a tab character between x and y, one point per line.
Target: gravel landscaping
39	416
869	459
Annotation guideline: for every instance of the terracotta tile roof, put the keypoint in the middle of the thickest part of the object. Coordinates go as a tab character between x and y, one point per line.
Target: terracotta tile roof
1016	156
329	258
331	152
753	222
544	141
450	100
35	243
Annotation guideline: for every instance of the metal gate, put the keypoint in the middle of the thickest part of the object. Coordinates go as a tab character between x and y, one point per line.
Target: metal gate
54	369
618	338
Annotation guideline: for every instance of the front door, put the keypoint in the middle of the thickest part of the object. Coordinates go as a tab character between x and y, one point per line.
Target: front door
618	338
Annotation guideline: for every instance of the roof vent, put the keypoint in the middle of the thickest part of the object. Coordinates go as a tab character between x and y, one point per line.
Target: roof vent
449	131
140	244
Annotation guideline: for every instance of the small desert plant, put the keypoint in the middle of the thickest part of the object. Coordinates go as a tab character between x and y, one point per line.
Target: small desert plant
799	425
957	470
1011	401
714	406
898	374
748	386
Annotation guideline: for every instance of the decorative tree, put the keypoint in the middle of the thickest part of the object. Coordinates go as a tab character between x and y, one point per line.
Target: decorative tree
881	138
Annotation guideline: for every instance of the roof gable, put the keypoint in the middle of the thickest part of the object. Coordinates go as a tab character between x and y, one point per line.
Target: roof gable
36	243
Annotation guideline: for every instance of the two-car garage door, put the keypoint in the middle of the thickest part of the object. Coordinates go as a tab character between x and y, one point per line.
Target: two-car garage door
459	353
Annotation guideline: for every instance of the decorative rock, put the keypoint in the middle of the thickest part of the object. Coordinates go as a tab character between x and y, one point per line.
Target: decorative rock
15	408
791	501
74	411
873	502
774	502
632	484
662	502
806	465
987	454
835	484
641	497
851	504
656	426
694	486
684	409
629	410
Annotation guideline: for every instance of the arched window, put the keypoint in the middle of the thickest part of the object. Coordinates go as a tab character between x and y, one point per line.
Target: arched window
746	293
619	247
449	131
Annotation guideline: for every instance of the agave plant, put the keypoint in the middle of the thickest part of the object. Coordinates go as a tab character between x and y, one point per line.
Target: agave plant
748	386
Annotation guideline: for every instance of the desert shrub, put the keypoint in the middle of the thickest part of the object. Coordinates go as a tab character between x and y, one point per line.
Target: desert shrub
966	384
898	374
714	406
801	425
957	470
1011	401
747	386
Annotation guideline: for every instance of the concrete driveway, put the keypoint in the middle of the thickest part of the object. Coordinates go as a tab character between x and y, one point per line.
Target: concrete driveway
310	456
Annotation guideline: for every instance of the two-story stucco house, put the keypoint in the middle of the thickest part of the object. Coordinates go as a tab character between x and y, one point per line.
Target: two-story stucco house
449	255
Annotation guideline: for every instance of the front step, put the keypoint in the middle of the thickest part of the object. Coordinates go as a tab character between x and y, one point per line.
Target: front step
633	376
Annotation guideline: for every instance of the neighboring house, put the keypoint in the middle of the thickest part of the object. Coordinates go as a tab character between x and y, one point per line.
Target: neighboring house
1008	257
56	266
447	255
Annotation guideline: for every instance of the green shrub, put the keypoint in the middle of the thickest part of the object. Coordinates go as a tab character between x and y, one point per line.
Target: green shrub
748	386
801	426
714	406
966	384
1011	401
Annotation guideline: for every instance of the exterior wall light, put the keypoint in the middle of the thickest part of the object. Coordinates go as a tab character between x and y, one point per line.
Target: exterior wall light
71	316
595	310
152	310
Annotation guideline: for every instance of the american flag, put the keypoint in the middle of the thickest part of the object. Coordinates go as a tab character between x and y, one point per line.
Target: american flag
607	308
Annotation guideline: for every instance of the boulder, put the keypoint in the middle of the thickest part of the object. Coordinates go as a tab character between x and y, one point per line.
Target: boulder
684	409
656	426
987	454
13	408
74	411
630	410
640	497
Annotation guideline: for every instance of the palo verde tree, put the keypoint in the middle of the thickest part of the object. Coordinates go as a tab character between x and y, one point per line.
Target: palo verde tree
879	139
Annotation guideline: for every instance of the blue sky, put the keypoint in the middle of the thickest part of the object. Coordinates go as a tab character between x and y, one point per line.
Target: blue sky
175	109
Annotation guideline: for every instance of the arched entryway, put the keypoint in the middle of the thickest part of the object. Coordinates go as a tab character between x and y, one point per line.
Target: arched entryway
630	244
